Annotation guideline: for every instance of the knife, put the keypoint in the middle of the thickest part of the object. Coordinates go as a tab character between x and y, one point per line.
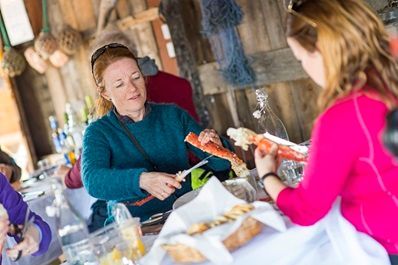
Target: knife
180	176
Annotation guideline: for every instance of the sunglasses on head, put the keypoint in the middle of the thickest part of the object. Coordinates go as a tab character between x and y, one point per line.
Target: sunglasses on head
100	51
291	8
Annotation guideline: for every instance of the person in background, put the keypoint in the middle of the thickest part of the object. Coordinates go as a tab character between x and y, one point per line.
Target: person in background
9	168
37	237
136	147
344	48
70	176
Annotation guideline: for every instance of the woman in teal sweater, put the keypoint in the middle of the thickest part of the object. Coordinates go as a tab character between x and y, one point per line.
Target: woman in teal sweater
113	166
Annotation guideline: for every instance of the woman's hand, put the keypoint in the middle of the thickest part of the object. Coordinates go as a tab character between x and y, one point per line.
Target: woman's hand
160	185
29	245
266	163
4	223
209	135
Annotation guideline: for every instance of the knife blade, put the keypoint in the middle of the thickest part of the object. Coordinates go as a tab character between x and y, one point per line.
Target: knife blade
179	176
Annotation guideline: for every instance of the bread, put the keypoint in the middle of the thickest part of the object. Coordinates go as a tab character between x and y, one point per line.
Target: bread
229	216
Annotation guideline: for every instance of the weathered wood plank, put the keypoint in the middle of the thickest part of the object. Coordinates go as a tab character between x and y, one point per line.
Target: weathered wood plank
84	14
138	18
253	34
32	90
305	93
137	6
123	8
25	137
185	56
57	92
190	12
68	13
273	24
270	67
377	4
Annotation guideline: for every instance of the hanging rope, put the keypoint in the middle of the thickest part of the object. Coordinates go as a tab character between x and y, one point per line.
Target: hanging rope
392	3
219	19
4	35
220	14
46	25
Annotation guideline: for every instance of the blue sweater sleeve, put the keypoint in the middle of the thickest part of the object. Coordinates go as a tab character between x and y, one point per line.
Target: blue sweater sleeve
102	181
16	209
190	125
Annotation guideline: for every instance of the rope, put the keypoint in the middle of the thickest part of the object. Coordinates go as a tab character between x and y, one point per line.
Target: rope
4	35
110	219
46	25
392	3
219	19
220	14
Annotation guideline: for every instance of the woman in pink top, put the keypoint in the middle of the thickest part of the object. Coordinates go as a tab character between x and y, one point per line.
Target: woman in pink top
343	47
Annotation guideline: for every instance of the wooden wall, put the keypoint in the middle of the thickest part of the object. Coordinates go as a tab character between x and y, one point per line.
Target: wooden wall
261	31
47	94
292	96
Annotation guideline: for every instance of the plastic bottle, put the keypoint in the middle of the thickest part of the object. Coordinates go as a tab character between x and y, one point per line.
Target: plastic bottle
72	230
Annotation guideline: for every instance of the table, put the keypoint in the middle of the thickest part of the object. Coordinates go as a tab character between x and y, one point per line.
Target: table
330	241
81	201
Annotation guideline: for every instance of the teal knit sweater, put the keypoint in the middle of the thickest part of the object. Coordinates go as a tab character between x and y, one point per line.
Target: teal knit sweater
112	165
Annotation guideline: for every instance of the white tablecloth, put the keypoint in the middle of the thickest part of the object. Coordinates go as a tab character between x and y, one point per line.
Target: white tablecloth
82	203
331	241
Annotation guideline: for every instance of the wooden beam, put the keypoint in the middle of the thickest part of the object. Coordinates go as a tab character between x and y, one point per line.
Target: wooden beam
141	17
271	67
185	56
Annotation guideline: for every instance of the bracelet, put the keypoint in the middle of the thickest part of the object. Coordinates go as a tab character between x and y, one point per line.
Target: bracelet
262	178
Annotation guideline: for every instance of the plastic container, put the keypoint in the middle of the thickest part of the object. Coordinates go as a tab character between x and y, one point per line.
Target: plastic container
119	244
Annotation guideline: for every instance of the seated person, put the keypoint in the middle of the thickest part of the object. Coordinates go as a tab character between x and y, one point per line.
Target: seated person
136	147
37	237
71	177
347	158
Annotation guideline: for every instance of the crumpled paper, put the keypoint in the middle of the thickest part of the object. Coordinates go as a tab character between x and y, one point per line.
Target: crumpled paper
213	201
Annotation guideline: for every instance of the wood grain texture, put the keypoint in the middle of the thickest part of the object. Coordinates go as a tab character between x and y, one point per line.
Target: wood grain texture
270	67
138	18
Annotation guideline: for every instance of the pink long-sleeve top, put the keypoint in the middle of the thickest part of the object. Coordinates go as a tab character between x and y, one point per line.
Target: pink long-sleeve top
347	158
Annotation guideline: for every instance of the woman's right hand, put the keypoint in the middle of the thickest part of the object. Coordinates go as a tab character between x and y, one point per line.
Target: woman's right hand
4	225
160	185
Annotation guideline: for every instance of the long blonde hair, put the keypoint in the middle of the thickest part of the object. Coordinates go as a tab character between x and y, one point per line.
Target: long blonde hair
103	106
354	46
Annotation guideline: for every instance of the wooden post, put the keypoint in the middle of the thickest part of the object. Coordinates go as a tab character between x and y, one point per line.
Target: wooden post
171	10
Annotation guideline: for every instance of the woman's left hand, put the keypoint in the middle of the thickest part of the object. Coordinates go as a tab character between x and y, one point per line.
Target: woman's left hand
209	135
266	163
29	245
